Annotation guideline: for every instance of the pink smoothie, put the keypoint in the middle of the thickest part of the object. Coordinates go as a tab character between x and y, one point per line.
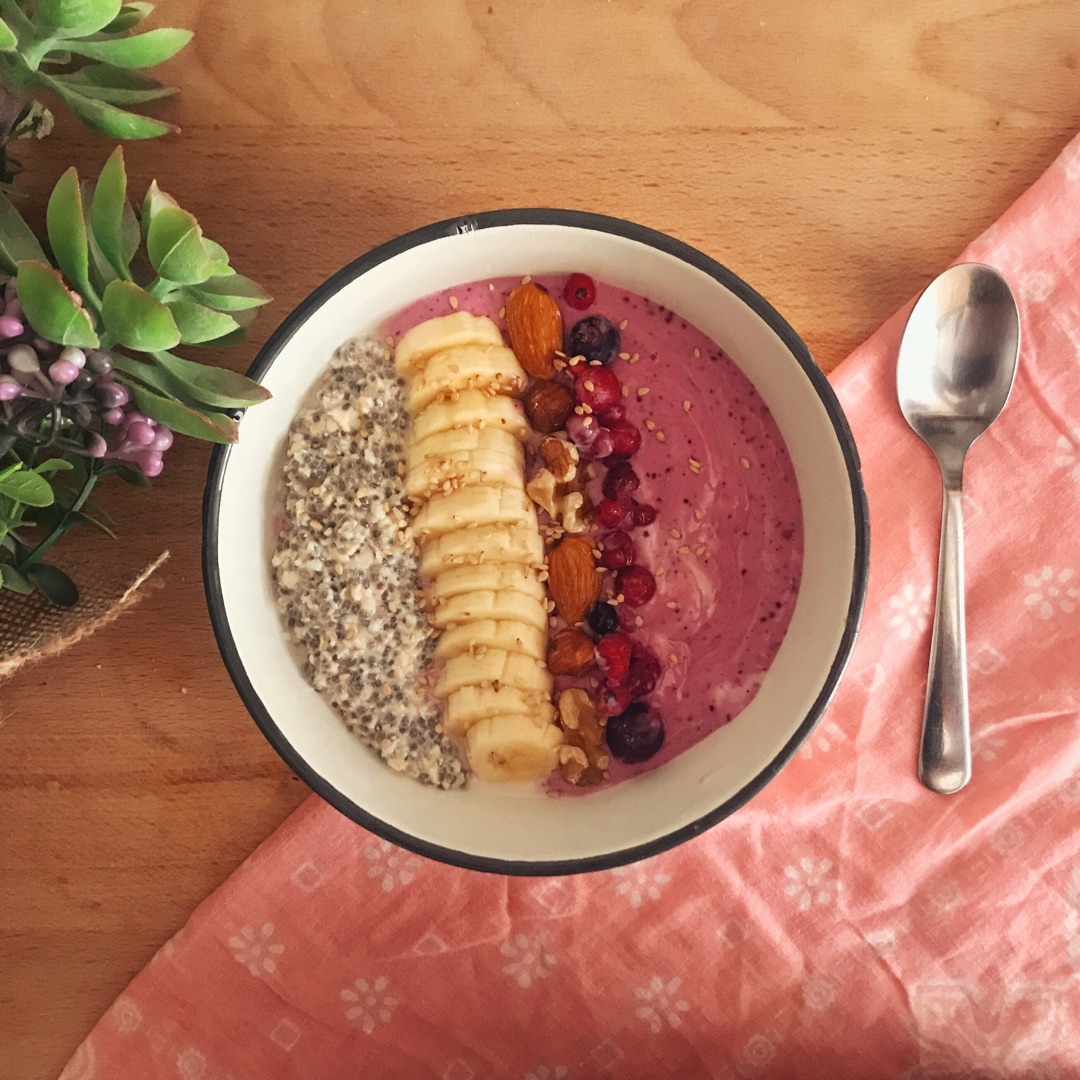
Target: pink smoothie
723	604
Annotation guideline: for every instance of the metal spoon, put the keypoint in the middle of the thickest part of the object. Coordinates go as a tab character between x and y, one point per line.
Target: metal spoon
953	376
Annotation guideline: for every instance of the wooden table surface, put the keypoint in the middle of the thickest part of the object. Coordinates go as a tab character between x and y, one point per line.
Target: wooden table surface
834	154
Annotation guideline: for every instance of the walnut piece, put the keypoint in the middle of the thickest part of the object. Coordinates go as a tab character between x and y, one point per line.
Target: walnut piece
584	731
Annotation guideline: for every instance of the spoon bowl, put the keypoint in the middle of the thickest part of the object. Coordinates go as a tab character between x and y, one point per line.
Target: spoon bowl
954	373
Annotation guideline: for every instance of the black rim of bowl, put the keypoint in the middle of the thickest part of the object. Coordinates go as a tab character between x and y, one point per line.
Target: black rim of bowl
599	223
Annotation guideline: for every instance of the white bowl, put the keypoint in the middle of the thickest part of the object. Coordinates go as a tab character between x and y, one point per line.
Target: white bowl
480	827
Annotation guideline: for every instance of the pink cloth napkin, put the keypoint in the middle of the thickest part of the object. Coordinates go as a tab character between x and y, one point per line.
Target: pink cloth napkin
846	922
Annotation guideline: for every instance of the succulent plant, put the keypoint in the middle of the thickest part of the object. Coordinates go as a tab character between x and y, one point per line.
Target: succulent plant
86	367
83	51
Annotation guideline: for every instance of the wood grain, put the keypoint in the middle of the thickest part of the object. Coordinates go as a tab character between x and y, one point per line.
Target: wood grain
836	155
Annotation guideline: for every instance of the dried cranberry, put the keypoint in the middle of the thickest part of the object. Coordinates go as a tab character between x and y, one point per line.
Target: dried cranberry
610	514
579	291
625	437
616	550
589	436
620	482
640	514
635	584
635	734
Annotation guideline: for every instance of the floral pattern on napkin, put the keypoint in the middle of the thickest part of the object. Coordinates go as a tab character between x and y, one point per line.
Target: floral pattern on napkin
846	922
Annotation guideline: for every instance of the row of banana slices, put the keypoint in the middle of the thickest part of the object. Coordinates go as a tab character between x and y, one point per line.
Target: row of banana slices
480	544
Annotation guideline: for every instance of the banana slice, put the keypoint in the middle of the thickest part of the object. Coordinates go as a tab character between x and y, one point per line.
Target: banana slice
470	704
480	634
505	605
473	408
494	667
466	469
446	332
486	543
473	507
487	577
512	747
457	445
468	367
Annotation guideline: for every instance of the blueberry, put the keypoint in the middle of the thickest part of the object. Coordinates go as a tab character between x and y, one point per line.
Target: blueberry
635	734
603	618
594	338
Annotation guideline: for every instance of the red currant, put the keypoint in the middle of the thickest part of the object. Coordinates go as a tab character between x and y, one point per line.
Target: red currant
617	549
597	387
613	653
610	514
620	481
579	291
635	584
625	437
640	514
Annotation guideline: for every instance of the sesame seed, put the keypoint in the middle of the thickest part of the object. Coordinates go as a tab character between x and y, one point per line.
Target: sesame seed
699	514
454	302
671	605
625	391
638	620
661	437
590	385
697	353
661	571
491	286
672	657
650	424
694	463
624	356
676	534
624	324
526	279
502	313
642	391
744	462
699	551
684	550
687	405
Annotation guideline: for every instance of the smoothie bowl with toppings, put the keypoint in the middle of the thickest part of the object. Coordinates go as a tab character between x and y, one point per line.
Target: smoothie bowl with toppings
550	548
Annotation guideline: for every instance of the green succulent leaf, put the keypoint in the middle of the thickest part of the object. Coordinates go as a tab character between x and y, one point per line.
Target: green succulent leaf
136	319
49	307
228	292
53	465
8	40
175	246
107	212
154	201
75	18
28	488
139	51
53	584
114	85
217	387
66	226
198	324
130	15
183	419
16	581
106	118
17	241
219	255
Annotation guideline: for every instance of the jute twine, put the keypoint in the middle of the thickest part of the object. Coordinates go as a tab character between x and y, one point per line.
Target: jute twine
31	628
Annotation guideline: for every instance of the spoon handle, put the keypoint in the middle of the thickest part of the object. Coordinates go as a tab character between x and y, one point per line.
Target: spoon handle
945	756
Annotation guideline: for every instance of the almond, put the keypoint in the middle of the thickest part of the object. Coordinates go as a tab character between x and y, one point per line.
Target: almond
573	581
548	406
570	652
561	456
534	323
